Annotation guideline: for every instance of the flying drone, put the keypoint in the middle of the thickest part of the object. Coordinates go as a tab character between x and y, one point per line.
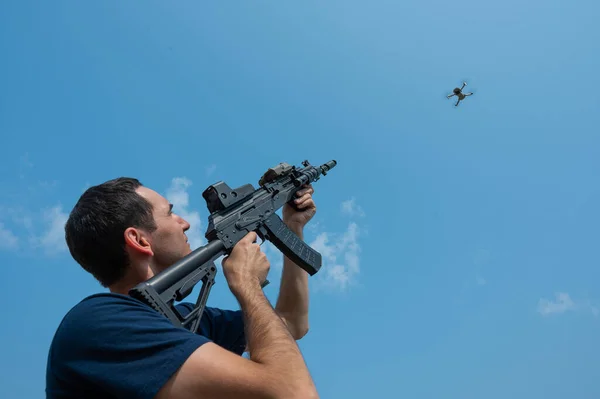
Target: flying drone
458	93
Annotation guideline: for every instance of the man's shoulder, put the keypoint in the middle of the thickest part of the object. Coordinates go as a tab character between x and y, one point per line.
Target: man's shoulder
94	310
103	313
102	299
104	305
105	318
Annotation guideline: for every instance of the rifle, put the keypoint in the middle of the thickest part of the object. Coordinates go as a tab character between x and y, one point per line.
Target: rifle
233	214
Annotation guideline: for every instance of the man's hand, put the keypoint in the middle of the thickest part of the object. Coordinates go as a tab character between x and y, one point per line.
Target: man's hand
306	209
246	268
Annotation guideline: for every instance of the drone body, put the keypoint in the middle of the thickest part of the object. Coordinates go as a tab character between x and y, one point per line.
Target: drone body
458	93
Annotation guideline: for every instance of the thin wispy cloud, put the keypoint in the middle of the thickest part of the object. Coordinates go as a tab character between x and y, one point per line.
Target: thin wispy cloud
210	169
563	303
34	231
8	240
350	208
52	240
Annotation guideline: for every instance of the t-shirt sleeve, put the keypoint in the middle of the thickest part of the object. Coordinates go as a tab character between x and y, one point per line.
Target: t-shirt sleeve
121	346
224	327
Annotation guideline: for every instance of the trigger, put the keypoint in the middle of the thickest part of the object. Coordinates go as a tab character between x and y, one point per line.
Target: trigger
263	234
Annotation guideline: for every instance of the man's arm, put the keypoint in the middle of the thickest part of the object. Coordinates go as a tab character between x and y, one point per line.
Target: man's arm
292	303
276	369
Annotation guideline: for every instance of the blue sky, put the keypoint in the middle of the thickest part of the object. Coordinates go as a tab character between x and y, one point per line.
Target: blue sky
460	243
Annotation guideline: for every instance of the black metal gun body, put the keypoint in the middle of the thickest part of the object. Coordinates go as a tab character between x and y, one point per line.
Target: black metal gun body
233	214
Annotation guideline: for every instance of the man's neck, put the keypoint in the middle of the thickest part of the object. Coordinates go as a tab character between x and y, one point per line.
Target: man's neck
122	287
134	276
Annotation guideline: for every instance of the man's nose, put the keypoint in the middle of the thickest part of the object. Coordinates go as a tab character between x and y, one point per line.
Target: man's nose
184	223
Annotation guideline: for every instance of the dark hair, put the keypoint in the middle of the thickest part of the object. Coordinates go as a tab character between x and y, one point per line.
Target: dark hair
94	230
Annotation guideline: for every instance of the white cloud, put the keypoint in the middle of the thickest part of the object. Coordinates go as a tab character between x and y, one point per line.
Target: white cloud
340	251
7	239
350	208
45	231
564	303
341	261
177	194
53	239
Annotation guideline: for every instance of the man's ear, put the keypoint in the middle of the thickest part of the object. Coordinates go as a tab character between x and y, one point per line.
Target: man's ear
137	240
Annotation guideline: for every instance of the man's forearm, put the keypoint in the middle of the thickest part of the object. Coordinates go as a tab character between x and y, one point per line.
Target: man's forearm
292	303
269	341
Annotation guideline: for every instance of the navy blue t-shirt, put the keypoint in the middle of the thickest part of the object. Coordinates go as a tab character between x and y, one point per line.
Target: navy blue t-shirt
114	346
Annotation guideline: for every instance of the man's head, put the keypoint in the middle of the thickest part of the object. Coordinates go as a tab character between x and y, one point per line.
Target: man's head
121	228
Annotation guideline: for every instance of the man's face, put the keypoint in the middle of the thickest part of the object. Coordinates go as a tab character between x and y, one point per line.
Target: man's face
169	242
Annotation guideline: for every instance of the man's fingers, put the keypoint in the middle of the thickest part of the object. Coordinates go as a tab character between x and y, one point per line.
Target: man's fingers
302	199
301	195
308	189
251	236
305	202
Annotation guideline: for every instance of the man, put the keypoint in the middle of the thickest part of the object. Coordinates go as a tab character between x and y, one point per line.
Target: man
111	345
